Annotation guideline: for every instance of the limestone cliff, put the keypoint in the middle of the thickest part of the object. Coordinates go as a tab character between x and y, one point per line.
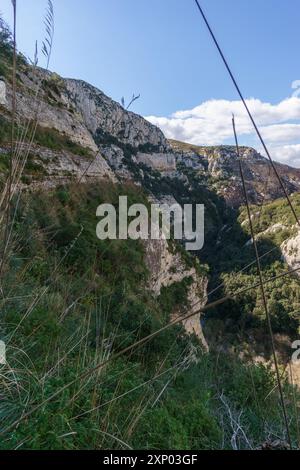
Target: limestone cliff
127	145
167	268
290	249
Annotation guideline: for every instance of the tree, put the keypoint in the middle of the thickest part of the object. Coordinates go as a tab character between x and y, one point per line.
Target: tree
5	33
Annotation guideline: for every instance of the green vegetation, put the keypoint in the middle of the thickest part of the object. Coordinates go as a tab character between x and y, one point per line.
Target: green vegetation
46	137
198	149
6	52
275	212
227	251
5	129
54	140
245	315
76	302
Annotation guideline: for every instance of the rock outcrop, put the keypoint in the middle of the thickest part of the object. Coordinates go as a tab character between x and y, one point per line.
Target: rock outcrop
163	162
2	93
291	251
167	268
107	120
220	164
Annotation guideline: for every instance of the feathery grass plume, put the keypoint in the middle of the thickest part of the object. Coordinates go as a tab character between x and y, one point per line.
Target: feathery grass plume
36	55
27	129
11	190
49	25
133	99
8	193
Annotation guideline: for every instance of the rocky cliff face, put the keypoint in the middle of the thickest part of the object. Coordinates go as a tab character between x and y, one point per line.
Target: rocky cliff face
167	268
107	120
221	166
80	111
127	145
84	115
2	93
290	249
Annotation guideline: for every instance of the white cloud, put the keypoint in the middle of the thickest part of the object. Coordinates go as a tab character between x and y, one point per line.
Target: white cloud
288	154
281	133
210	124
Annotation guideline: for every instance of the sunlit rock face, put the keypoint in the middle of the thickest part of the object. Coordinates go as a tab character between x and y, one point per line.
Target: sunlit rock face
163	162
107	120
167	268
291	251
2	92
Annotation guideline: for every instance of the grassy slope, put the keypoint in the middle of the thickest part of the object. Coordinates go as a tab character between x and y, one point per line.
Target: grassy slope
70	301
197	149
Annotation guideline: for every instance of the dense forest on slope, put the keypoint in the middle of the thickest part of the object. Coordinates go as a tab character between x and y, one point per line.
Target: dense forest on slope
274	224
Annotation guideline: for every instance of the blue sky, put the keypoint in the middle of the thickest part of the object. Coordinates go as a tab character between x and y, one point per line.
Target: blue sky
161	49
